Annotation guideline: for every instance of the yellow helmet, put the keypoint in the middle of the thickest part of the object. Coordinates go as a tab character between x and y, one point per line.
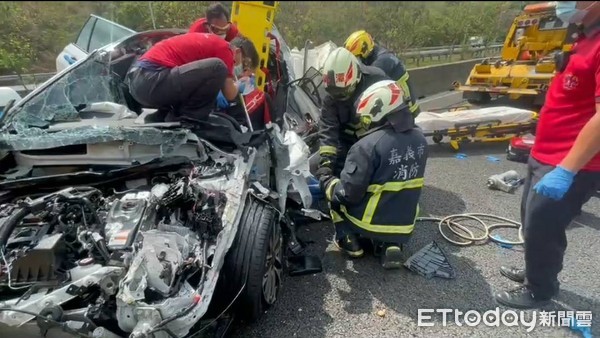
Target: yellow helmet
360	43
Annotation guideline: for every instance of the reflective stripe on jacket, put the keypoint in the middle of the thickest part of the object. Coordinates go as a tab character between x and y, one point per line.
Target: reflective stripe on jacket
394	68
380	186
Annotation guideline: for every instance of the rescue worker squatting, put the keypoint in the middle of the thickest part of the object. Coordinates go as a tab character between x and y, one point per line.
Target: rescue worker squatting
564	166
345	80
362	45
377	193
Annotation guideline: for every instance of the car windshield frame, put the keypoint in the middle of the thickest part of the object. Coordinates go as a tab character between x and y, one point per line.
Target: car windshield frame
32	122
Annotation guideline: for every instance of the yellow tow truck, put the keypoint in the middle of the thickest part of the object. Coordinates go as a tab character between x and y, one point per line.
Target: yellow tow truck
527	62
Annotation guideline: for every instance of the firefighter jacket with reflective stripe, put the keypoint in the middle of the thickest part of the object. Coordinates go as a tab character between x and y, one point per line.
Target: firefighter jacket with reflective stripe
339	126
394	68
380	186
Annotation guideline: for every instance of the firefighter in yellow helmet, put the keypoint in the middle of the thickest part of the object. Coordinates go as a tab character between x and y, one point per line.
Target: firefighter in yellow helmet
362	45
376	195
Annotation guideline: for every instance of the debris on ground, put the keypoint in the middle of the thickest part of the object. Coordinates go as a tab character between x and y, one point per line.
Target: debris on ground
492	159
461	156
430	262
501	242
381	313
507	182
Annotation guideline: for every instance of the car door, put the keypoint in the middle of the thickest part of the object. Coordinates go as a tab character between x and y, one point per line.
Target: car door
97	32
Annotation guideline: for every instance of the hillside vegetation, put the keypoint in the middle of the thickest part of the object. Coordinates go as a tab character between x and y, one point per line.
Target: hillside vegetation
33	33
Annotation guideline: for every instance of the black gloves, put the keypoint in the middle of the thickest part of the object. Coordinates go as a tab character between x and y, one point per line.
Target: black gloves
323	171
324	174
324	182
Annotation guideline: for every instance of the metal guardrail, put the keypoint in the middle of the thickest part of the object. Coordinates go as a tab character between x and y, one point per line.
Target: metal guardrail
414	54
447	52
447	47
27	79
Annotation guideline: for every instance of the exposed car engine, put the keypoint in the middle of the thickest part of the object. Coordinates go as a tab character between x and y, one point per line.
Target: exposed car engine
115	222
118	263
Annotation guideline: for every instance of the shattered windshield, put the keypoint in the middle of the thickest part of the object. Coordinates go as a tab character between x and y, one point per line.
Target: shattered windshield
88	83
87	105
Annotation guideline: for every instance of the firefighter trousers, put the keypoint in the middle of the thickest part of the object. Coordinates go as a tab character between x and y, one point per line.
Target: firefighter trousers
545	222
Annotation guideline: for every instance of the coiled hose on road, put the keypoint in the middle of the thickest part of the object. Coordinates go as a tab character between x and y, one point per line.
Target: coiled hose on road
461	231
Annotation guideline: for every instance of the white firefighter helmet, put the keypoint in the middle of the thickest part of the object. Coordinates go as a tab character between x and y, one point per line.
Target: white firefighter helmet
379	100
341	73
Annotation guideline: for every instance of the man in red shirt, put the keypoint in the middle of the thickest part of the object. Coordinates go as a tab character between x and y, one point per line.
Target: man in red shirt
217	22
564	166
185	73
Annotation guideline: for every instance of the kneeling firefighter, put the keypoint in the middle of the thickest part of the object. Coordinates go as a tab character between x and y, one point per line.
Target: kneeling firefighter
362	45
377	193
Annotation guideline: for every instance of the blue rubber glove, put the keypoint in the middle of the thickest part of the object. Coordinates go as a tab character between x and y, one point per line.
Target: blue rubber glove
555	184
242	83
222	102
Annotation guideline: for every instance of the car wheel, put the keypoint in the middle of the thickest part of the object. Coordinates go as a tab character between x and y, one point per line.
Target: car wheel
256	257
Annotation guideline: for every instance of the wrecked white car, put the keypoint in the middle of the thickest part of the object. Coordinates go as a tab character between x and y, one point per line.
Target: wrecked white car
114	223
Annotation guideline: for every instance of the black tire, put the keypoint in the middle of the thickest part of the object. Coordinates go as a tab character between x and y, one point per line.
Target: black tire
479	98
256	255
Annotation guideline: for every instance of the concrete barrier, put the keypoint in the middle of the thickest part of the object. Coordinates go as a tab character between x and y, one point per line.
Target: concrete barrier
431	80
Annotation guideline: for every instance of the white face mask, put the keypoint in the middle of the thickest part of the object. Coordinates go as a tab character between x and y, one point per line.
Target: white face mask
238	70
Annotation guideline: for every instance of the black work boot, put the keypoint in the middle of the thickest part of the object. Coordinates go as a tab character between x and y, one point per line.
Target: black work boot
512	273
392	257
520	298
349	244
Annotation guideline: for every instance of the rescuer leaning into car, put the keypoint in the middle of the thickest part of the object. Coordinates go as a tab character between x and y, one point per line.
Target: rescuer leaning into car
564	166
185	73
377	193
362	45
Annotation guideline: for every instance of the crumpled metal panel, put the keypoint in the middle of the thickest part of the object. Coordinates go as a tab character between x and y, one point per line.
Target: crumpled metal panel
140	316
39	301
292	165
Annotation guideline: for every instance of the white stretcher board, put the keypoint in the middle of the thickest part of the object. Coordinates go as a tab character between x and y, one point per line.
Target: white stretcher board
430	121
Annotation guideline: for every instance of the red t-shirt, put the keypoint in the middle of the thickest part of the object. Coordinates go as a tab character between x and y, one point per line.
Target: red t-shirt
186	48
570	104
201	26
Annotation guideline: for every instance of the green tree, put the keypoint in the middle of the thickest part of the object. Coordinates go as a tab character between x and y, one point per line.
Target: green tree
35	32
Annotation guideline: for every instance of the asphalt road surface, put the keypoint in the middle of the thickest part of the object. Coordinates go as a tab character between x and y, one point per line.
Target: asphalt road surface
344	300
